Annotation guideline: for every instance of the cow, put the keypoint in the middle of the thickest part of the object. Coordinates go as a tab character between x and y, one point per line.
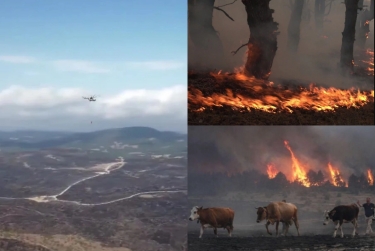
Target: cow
283	212
214	217
342	214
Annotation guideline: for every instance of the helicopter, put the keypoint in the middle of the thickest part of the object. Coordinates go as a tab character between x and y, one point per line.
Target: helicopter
91	98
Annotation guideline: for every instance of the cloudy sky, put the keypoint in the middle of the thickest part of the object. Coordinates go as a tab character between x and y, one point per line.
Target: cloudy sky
131	54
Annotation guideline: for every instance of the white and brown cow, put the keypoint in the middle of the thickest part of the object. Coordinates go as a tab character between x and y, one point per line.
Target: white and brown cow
342	214
277	212
214	217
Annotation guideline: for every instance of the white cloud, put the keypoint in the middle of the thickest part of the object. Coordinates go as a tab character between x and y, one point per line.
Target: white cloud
158	65
79	66
64	109
17	59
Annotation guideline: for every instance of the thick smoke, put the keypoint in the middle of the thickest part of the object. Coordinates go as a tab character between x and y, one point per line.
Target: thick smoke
235	149
318	54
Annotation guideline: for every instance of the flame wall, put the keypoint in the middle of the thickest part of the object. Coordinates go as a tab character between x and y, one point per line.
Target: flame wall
234	149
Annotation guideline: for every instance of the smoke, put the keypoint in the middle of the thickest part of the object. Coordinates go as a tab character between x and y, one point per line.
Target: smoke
318	54
235	149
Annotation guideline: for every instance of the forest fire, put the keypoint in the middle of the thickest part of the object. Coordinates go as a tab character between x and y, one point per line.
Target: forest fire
271	171
263	95
370	177
299	173
336	178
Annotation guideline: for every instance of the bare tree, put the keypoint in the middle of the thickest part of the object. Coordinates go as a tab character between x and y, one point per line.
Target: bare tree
203	35
262	44
294	26
348	36
363	23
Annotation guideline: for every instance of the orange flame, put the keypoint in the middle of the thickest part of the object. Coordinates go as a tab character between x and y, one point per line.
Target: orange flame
263	95
370	177
299	173
271	171
336	178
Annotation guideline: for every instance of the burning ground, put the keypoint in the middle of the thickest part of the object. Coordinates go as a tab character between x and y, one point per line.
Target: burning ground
313	167
303	88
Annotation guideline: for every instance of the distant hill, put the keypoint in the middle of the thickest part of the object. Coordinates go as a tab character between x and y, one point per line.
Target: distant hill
128	135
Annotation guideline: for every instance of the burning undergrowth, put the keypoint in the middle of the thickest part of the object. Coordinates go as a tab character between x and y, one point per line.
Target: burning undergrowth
234	98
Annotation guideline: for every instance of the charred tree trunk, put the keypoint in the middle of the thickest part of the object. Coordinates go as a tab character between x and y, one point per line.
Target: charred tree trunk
363	24
348	36
203	35
320	8
262	43
294	26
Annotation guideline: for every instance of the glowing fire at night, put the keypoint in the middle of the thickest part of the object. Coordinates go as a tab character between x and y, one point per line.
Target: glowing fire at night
299	173
263	95
271	171
336	178
370	177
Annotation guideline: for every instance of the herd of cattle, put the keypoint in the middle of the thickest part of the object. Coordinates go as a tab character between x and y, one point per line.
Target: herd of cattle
275	212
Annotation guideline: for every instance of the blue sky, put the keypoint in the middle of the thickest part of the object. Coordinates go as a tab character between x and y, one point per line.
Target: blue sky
102	46
132	54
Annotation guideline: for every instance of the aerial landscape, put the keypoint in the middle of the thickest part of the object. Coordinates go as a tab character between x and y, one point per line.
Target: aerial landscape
277	62
93	133
316	168
121	188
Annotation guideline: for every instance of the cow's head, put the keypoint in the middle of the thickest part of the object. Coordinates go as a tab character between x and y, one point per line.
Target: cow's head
194	215
261	213
328	215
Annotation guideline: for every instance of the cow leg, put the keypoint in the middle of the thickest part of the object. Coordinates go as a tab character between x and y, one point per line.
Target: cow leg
342	233
229	231
202	229
296	223
337	227
283	229
355	226
215	231
286	229
268	231
277	228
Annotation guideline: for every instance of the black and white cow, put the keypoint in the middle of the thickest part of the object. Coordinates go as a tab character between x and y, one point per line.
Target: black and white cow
342	214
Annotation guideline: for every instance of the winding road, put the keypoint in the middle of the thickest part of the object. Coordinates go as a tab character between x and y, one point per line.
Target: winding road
109	168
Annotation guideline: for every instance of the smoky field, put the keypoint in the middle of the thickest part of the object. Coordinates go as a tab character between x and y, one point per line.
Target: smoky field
249	235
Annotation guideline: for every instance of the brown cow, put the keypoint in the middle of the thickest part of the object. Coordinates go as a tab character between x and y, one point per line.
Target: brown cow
279	212
214	217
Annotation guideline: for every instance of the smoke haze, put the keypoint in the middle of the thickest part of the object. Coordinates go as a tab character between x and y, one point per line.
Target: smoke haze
317	56
234	149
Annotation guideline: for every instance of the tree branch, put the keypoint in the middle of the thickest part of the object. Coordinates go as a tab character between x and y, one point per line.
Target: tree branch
330	6
217	8
227	4
239	48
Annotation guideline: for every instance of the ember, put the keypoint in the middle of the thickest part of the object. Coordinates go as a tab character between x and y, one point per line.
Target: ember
263	95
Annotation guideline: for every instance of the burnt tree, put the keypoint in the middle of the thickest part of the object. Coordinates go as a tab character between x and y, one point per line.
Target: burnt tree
203	35
262	44
348	36
294	26
363	24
